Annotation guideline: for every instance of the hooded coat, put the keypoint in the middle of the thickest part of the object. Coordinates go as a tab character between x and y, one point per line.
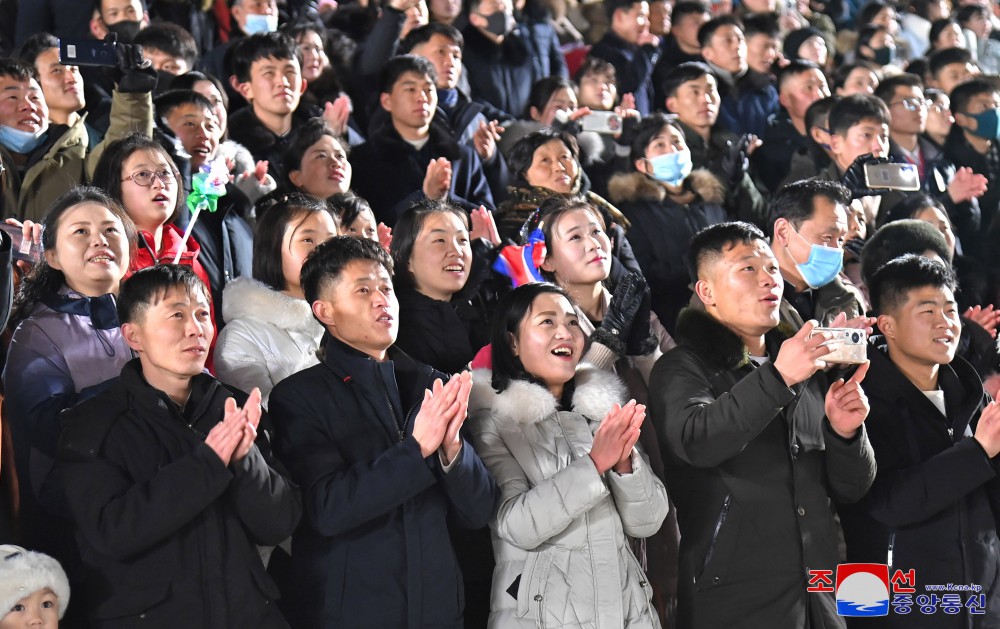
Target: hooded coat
559	535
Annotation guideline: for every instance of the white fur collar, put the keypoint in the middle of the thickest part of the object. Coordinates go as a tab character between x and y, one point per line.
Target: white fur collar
526	403
246	297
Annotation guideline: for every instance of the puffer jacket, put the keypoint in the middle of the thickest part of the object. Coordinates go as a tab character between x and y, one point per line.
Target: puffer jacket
559	535
268	336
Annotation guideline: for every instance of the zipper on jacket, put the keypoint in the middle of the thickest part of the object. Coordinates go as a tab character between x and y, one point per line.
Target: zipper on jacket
892	542
400	430
718	527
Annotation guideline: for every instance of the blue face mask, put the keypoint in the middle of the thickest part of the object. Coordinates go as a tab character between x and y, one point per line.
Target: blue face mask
987	124
19	141
260	24
672	168
823	265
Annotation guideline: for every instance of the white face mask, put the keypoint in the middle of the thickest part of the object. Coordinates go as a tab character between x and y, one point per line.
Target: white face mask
261	23
20	141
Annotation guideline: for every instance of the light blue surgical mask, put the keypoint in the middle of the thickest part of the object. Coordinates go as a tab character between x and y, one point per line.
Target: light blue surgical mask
823	265
672	168
19	141
261	23
987	124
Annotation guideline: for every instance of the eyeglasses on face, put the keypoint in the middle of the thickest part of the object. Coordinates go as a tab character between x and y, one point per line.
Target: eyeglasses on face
144	178
913	104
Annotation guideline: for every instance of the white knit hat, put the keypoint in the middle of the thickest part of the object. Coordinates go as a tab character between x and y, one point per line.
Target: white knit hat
24	572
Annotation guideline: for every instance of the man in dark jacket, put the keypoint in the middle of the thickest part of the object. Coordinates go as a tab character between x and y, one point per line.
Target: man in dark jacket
631	49
755	442
936	435
167	476
374	439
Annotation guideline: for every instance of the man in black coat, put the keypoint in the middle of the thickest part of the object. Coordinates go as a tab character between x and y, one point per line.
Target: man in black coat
631	49
935	504
374	439
168	479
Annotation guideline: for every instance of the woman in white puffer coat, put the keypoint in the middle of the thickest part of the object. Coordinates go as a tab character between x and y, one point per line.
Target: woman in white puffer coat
560	444
270	330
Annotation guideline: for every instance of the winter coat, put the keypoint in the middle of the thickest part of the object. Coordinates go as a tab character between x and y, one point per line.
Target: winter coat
960	153
747	103
268	336
670	57
773	159
500	75
662	229
559	535
389	172
167	532
753	465
245	128
828	301
935	504
445	335
633	67
373	550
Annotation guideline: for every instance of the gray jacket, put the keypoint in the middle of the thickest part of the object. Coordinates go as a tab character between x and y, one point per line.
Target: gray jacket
559	535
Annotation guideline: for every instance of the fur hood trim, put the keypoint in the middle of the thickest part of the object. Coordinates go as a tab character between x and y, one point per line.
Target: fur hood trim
246	297
716	344
527	403
636	186
241	158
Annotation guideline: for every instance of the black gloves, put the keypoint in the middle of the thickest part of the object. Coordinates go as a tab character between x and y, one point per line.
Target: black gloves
136	73
622	314
855	180
736	161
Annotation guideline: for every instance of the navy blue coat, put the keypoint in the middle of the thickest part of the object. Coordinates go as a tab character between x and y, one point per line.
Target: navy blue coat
633	67
373	549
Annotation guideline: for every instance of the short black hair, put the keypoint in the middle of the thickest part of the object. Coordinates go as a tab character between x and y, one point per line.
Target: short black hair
685	8
682	73
710	243
796	202
35	46
937	27
945	57
299	141
866	35
899	238
647	129
795	68
523	151
513	308
909	208
843	71
708	29
248	50
818	114
610	6
869	11
274	213
595	65
18	70
968	11
399	65
171	100
966	91
327	261
889	286
887	89
761	24
854	109
407	229
423	35
146	287
171	39
542	90
348	206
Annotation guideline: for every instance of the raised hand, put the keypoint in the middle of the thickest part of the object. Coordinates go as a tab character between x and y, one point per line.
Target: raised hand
384	236
441	404
801	356
485	139
846	403
484	226
437	181
986	317
251	413
611	437
337	113
857	323
624	464
226	435
966	185
452	442
988	429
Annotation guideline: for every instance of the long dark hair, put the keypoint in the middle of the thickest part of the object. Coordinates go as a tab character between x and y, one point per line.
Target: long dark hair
108	173
408	228
44	280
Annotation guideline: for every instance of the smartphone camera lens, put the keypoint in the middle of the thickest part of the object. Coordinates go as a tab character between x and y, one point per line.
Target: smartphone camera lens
855	338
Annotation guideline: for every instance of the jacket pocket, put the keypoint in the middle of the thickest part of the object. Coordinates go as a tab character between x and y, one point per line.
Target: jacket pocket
134	602
723	537
531	590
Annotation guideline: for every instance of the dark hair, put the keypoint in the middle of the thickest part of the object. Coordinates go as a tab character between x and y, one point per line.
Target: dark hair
843	71
889	286
35	46
854	109
796	68
188	80
938	59
307	134
171	100
108	172
523	152
399	65
424	34
966	91
909	208
866	35
887	89
18	70
710	243
819	112
348	207
796	202
647	129
44	280
327	261
274	216
513	308
708	29
688	7
899	238
552	210
869	11
933	93
148	286
301	28
595	65
682	73
968	11
406	231
938	27
248	50
922	8
542	90
610	6
761	24
169	38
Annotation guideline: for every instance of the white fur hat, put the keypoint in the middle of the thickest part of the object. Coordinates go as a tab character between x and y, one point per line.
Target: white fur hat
24	572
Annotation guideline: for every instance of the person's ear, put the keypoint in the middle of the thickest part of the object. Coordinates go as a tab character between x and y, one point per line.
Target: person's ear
386	101
887	324
671	104
239	12
535	114
781	227
295	176
132	335
966	122
52	259
323	310
244	89
836	144
703	289
513	343
643	166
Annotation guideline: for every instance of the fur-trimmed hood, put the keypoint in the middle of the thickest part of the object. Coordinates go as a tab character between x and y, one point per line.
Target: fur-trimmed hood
635	186
716	344
526	402
246	297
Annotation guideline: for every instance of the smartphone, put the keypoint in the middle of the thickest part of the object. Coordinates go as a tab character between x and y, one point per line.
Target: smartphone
87	52
21	249
892	176
606	122
850	345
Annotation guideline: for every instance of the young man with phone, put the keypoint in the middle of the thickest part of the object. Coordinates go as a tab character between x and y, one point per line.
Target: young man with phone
936	437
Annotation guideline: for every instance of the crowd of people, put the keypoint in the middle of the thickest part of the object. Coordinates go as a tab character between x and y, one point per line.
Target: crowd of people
423	313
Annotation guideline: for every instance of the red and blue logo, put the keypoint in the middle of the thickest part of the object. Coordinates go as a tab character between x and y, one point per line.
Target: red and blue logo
862	589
